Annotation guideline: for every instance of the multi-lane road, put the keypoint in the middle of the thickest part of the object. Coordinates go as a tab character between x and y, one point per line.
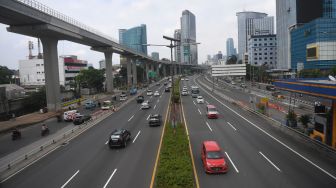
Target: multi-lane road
258	154
87	161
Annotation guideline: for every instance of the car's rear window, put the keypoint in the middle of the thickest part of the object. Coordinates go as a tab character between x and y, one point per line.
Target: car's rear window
214	155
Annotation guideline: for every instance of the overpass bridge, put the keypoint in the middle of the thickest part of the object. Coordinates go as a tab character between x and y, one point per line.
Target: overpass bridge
31	18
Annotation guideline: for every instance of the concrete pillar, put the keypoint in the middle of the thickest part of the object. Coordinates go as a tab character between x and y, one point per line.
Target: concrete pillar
164	71
147	71
51	73
134	73
108	71
129	73
157	71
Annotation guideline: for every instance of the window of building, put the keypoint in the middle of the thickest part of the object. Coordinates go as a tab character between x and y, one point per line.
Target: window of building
265	53
265	44
265	63
271	48
271	57
259	39
271	62
265	48
255	53
38	80
255	58
259	44
260	53
265	58
271	44
271	38
37	65
255	44
265	39
43	80
255	39
271	53
255	63
260	58
42	64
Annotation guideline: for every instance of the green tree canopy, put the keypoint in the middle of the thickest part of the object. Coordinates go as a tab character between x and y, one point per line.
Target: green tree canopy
91	78
5	75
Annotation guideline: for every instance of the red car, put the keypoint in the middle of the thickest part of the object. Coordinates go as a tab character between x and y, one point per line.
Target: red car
213	158
211	112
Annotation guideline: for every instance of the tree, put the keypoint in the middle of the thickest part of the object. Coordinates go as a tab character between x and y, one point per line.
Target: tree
304	119
91	78
35	101
232	60
333	71
5	75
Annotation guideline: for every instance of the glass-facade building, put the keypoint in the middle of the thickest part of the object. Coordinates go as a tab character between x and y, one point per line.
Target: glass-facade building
313	45
134	38
188	38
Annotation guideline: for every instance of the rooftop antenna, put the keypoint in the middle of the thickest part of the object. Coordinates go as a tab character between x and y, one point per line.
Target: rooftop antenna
30	47
39	55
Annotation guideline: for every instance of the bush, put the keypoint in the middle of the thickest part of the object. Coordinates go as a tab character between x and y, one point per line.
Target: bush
176	94
304	119
175	166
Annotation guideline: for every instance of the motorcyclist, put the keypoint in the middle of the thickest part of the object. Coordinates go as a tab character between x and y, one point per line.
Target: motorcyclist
44	127
16	133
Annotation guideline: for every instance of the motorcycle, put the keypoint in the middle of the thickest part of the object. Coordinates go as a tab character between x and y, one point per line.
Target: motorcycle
16	135
44	132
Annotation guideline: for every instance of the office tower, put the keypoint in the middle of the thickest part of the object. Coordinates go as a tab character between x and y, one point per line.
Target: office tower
177	49
134	38
288	14
188	38
230	50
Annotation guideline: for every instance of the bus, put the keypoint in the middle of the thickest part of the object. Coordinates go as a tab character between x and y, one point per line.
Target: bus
194	90
106	105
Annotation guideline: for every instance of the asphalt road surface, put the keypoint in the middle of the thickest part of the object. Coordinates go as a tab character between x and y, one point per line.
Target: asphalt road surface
258	154
87	161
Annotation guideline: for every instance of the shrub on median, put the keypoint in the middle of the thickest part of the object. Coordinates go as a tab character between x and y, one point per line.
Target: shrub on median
175	167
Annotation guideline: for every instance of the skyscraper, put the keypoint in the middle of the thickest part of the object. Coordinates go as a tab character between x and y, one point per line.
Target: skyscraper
134	38
188	38
290	13
156	55
252	23
177	49
230	50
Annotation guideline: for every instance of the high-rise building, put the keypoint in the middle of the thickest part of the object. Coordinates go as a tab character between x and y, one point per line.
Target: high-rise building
230	50
188	38
156	55
252	23
288	14
134	38
313	44
262	51
177	49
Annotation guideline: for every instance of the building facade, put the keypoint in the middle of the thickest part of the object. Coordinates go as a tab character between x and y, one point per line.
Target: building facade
156	55
188	38
32	70
290	13
262	51
134	38
230	49
252	23
177	49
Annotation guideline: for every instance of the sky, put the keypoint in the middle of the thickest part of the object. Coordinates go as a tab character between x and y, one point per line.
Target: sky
215	22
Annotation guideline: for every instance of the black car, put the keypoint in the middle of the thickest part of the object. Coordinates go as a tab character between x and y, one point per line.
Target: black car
119	137
165	83
158	84
155	120
167	89
140	99
81	119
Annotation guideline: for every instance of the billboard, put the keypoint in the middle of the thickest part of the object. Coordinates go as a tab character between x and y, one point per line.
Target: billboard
228	70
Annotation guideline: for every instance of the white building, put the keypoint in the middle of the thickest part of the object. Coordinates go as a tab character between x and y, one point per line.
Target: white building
32	70
262	50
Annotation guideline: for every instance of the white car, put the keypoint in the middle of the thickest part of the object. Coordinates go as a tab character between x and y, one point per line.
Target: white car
200	99
184	92
156	93
186	79
145	105
182	79
123	97
70	115
149	92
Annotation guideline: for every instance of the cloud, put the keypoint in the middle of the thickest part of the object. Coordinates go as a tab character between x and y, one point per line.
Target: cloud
215	21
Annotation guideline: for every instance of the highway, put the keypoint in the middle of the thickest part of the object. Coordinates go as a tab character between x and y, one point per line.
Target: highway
87	161
258	154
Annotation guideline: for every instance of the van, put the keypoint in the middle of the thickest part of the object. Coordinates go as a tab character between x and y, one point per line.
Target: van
70	115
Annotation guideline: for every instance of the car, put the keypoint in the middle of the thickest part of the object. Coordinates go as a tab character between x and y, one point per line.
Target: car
233	83
211	112
184	93
70	115
186	79
200	99
158	84
156	93
123	97
182	79
119	137
165	83
80	119
107	105
185	87
90	105
242	85
140	99
155	120
213	158
145	105
167	89
133	91
149	92
194	95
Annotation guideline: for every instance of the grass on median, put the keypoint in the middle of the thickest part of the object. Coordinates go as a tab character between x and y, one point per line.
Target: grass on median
175	166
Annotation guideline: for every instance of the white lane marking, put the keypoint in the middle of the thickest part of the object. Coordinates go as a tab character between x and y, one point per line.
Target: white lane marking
234	166
232	126
194	103
70	179
115	170
199	111
131	118
106	142
270	161
148	117
208	126
262	130
29	164
154	106
206	102
136	137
